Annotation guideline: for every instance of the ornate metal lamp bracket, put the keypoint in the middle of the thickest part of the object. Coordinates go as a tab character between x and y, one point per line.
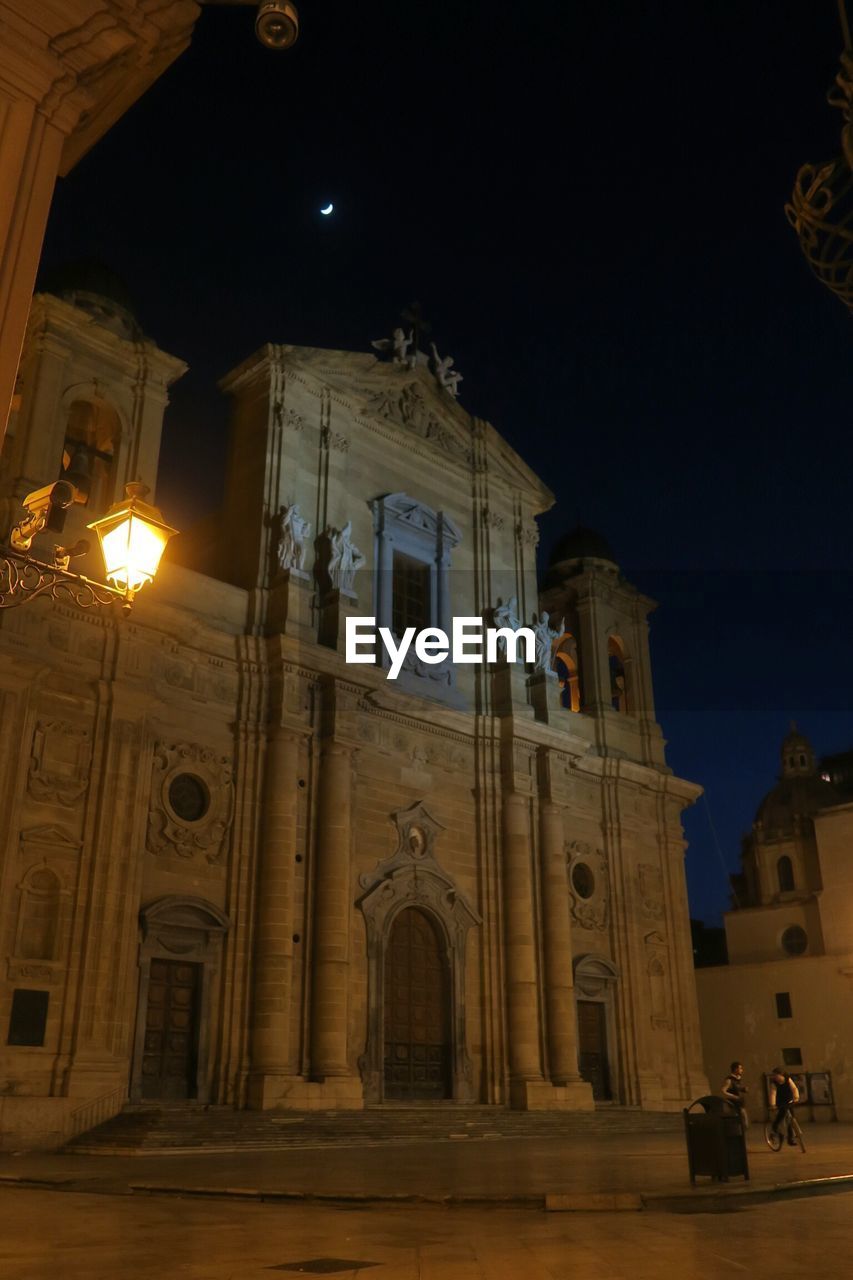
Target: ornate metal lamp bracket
23	578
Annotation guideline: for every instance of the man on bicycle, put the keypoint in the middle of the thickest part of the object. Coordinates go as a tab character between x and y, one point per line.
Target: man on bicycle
783	1094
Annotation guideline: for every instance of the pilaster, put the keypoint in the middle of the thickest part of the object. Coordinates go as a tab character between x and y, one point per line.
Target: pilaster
559	986
272	970
332	910
523	1031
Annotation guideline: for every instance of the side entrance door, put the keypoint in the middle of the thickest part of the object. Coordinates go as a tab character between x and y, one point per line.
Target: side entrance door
169	1062
417	1042
592	1047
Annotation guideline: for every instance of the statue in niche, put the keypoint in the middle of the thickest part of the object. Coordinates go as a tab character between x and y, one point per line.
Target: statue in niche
544	636
293	534
345	559
398	344
505	615
445	375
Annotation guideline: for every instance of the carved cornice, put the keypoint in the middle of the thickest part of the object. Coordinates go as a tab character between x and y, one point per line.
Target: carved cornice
424	727
85	63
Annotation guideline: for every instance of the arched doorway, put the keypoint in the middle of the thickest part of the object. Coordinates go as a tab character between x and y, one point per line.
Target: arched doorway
417	1011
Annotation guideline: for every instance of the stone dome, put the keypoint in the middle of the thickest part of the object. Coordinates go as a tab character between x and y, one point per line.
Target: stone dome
582	544
97	290
800	791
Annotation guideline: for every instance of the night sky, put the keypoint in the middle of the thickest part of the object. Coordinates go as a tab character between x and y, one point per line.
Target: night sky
587	199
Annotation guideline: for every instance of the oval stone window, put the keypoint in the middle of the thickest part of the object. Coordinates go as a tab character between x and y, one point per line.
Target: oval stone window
794	940
189	797
583	881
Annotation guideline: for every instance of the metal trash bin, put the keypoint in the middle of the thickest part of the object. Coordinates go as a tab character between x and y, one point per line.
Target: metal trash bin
716	1140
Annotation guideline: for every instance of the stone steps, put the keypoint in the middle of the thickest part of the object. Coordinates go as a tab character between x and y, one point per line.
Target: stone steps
149	1128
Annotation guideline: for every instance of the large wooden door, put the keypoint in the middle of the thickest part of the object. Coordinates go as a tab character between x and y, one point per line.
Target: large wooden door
592	1047
171	1031
417	1048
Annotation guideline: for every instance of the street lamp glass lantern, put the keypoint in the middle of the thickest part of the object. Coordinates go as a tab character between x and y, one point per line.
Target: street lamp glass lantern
133	537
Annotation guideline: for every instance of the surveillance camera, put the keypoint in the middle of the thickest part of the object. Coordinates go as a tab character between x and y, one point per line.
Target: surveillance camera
45	509
277	24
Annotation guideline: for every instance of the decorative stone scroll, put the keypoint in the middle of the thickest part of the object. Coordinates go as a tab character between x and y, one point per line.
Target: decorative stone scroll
413	877
589	885
192	801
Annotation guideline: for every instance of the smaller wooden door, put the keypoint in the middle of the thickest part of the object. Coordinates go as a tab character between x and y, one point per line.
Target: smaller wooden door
592	1047
171	1031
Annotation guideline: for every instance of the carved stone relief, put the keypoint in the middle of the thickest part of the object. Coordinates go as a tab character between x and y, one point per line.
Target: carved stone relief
286	417
192	802
409	406
650	882
334	440
657	976
59	762
589	885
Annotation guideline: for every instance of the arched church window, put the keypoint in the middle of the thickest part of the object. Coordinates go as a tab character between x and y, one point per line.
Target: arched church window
618	677
785	874
88	452
39	918
566	667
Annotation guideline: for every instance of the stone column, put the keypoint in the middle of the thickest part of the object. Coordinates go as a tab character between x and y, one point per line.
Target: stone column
271	1006
559	984
521	986
330	969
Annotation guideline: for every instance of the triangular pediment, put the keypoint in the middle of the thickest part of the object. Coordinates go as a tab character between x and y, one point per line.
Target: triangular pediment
393	394
408	511
407	402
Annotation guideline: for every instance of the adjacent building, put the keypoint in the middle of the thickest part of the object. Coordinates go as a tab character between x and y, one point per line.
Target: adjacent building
786	995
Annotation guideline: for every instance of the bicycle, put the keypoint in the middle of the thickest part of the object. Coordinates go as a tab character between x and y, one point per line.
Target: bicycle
775	1137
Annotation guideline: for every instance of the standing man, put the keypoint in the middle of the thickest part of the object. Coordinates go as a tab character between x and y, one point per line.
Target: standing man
734	1091
783	1094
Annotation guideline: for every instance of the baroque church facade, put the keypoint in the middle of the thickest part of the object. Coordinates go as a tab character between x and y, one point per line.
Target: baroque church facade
237	869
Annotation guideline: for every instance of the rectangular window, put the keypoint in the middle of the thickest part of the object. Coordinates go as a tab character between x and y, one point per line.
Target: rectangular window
792	1057
29	1017
783	1004
410	594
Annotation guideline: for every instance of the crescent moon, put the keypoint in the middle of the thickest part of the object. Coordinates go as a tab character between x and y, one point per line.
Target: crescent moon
328	209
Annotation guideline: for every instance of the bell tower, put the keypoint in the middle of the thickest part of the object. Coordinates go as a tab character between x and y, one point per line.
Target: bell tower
91	395
605	628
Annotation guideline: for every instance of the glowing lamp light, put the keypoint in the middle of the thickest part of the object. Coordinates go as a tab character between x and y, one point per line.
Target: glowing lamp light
133	537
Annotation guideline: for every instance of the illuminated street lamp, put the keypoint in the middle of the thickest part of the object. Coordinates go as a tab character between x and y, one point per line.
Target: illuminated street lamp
132	534
133	537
